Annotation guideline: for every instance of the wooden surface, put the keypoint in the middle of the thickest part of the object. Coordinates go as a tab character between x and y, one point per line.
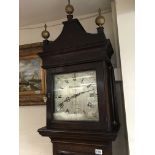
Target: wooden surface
79	149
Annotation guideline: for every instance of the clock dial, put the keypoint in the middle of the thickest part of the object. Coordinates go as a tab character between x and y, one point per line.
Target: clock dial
75	96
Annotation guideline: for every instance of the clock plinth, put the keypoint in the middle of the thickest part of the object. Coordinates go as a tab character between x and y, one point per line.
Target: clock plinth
81	105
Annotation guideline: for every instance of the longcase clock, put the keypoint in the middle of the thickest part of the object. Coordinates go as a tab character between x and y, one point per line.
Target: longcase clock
80	99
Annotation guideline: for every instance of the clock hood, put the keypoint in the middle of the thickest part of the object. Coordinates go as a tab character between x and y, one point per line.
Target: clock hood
74	38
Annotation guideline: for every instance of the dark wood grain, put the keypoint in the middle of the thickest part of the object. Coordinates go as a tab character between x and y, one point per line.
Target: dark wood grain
80	149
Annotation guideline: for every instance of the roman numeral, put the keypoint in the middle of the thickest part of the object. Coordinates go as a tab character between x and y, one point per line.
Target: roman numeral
82	80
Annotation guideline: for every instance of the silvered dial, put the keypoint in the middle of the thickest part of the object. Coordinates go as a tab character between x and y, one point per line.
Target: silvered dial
75	96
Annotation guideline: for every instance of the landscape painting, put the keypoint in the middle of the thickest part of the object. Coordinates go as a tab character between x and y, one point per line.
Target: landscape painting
31	75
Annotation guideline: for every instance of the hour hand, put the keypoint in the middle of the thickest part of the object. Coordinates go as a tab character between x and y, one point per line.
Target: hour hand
62	103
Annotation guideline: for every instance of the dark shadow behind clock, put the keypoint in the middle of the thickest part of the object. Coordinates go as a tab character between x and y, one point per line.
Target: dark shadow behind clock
120	145
76	50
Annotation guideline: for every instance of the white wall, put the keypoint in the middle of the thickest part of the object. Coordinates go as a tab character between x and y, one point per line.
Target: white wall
125	20
33	117
88	22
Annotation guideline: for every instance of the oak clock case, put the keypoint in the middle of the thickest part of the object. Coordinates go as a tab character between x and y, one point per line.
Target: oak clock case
81	109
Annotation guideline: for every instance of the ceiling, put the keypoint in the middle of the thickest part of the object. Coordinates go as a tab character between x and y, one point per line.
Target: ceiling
41	11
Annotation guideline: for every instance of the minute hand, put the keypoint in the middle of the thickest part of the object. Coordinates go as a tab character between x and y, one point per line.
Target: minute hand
73	96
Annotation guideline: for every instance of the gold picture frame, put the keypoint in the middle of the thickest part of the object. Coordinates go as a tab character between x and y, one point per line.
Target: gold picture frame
31	75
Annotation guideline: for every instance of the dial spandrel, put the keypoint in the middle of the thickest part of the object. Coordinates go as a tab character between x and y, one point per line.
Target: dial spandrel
75	96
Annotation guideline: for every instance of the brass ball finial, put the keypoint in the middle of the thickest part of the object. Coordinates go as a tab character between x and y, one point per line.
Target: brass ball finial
69	8
45	34
100	20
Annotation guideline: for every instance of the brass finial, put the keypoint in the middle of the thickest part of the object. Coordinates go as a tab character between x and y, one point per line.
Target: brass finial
100	20
45	34
69	8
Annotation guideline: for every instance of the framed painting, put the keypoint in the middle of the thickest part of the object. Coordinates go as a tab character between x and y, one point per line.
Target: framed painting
31	75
